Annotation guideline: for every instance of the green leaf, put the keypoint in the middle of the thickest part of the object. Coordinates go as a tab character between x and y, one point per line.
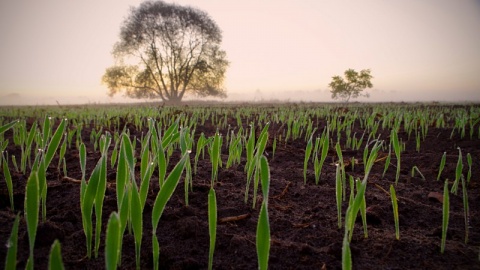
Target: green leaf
83	159
167	190
7	126
32	201
393	197
263	238
346	254
308	152
87	204
161	200
446	215
54	143
265	177
8	180
12	245
128	154
212	224
99	196
112	242
137	222
55	261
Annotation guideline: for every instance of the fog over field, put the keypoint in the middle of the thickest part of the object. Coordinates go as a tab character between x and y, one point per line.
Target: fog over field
56	51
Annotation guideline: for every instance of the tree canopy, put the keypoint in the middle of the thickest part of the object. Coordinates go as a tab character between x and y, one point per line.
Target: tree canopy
352	86
165	51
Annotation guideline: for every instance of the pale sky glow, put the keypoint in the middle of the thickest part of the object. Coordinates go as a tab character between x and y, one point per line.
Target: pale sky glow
417	50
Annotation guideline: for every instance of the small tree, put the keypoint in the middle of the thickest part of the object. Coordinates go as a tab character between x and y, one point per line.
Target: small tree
166	50
352	86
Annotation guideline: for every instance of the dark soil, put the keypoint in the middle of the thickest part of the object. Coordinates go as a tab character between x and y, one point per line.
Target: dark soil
303	217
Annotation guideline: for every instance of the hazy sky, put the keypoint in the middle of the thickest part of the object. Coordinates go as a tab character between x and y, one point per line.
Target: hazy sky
417	50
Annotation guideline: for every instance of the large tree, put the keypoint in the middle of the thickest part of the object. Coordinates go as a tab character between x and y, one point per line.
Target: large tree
165	51
352	86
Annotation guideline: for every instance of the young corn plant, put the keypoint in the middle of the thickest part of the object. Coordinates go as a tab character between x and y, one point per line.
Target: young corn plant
137	221
215	158
446	215
352	210
55	261
415	169
442	165
88	197
8	181
32	201
138	195
12	246
250	148
469	162
161	200
324	143
254	163
458	172
105	141
201	143
7	126
387	160
363	213
212	224
393	197
186	143
47	159
112	242
397	150
263	225
308	152
338	193
342	170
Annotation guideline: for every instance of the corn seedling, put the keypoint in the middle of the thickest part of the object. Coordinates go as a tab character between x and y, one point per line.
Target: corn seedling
212	224
446	214
397	150
215	158
8	181
136	212
387	160
46	160
353	209
342	169
442	165
112	242
469	162
324	143
393	197
201	143
254	163
88	201
105	141
263	225
55	261
7	126
32	201
186	143
308	152
161	200
338	193
363	212
12	246
249	167
415	169
458	172
346	254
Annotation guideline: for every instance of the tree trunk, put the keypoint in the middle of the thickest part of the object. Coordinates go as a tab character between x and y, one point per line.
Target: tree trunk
175	100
